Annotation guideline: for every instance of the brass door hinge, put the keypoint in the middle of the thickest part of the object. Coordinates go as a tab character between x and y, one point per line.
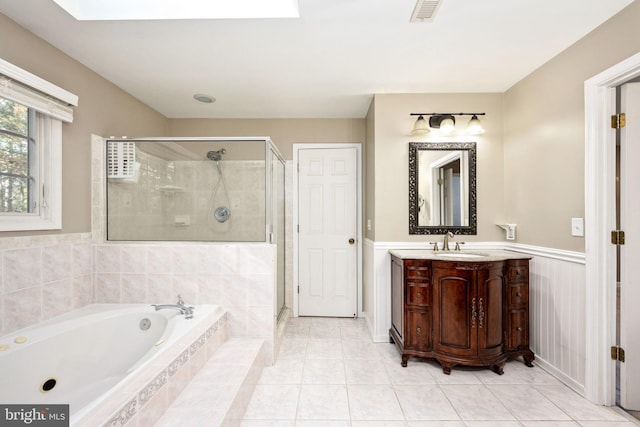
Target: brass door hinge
617	353
618	121
617	237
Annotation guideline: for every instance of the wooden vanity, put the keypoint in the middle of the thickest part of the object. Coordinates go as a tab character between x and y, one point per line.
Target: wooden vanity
461	308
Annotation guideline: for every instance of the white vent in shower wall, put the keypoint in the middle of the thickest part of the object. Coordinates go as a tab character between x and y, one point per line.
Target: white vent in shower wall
121	159
425	10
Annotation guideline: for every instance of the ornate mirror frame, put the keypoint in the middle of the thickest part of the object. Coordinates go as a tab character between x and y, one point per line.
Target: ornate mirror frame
414	148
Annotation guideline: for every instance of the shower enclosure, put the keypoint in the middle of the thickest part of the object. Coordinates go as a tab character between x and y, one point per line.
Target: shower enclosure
197	189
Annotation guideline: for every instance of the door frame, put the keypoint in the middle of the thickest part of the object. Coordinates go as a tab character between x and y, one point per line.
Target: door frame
295	202
600	216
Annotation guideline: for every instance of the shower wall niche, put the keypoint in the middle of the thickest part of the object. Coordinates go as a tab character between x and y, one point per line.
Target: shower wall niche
212	190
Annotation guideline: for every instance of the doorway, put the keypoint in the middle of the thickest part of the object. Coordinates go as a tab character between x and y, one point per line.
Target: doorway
327	230
628	280
600	214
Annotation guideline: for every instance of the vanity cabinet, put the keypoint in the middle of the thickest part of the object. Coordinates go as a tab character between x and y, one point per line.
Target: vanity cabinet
467	321
461	312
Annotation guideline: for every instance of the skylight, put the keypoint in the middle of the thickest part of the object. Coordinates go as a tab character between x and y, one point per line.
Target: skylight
112	10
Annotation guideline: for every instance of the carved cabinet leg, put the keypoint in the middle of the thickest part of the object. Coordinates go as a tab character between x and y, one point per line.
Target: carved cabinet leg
405	359
528	359
446	366
498	369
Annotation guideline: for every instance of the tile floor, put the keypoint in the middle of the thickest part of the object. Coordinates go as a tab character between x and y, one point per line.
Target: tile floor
330	374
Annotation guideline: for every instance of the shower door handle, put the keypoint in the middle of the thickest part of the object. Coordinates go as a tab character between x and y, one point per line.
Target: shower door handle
352	241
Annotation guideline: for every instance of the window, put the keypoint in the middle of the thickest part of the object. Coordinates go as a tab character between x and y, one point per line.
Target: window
31	150
18	158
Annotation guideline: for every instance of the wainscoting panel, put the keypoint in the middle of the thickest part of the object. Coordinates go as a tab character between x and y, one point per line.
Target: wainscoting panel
557	318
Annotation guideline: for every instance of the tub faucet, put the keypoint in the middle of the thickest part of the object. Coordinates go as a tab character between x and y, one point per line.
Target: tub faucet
445	244
184	309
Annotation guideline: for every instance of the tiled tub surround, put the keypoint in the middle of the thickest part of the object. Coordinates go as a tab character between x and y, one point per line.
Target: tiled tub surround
239	277
42	277
142	399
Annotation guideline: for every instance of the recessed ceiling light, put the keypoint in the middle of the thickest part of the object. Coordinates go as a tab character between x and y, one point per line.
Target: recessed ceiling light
113	10
207	99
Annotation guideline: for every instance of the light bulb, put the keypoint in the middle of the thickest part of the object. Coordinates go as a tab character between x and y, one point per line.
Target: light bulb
475	127
447	125
421	127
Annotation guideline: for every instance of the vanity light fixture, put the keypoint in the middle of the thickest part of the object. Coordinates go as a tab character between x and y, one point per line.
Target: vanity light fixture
474	127
421	127
446	123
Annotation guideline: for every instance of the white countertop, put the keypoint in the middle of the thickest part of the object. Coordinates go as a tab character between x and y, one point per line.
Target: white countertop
460	256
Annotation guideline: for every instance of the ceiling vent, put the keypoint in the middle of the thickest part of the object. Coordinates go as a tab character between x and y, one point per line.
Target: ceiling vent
425	10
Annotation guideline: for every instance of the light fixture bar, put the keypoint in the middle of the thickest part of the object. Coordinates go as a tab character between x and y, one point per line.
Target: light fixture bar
445	123
448	114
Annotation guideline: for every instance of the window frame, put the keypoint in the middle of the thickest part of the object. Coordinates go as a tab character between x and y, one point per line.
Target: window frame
53	105
48	135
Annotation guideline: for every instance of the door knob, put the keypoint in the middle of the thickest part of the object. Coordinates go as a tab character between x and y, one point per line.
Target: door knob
352	241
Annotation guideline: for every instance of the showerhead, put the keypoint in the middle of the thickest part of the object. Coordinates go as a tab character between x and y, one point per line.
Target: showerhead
216	155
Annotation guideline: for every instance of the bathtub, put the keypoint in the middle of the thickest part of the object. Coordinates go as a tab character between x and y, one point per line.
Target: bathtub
104	360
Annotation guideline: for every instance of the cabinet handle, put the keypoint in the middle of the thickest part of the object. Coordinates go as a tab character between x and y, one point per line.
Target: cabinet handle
474	313
419	295
518	294
519	329
418	330
480	315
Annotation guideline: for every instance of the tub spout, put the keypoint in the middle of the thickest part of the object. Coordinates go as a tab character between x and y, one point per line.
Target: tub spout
184	309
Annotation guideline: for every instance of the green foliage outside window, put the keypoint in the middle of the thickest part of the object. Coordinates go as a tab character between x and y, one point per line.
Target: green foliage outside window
15	179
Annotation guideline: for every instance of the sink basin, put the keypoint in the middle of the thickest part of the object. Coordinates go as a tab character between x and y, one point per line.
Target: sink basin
463	255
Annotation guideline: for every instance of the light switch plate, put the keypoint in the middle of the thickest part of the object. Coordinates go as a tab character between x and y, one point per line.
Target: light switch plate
577	227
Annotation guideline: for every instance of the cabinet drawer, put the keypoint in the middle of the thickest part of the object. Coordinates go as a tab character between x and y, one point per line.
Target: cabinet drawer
416	272
418	330
517	334
418	295
518	294
518	273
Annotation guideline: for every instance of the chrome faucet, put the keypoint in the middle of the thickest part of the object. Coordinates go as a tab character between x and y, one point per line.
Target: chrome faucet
445	244
184	309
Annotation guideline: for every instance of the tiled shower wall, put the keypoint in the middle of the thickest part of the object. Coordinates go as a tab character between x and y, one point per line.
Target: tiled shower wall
175	201
42	277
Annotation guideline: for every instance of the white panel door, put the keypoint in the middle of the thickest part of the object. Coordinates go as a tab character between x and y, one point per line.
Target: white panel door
327	216
630	251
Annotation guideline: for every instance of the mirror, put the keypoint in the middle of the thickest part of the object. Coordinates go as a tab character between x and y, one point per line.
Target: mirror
442	188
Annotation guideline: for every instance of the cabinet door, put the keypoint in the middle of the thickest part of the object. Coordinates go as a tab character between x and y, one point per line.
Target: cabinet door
454	311
418	335
489	310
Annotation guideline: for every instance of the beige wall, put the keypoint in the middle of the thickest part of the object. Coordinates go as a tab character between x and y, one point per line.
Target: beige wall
544	134
536	179
103	109
369	174
283	132
392	123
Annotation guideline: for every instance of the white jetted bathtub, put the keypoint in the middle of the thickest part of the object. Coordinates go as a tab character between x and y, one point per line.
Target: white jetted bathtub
104	360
